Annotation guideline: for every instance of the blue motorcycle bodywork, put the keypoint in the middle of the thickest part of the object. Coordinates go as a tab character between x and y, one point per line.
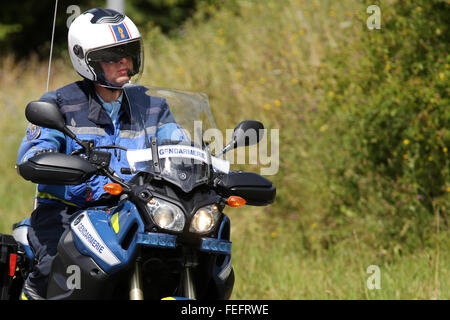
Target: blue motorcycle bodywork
112	247
95	235
103	242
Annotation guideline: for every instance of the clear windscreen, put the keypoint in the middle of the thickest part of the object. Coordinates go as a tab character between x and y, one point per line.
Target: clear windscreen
181	155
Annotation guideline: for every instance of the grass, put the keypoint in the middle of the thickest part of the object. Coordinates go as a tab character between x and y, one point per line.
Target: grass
265	63
20	83
271	262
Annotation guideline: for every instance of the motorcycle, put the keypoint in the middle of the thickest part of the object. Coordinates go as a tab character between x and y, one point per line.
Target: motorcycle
162	234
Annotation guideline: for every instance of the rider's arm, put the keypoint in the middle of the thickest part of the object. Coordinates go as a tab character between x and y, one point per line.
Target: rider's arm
38	139
167	126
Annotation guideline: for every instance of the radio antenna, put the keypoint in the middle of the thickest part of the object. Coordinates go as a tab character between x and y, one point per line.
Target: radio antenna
35	202
51	44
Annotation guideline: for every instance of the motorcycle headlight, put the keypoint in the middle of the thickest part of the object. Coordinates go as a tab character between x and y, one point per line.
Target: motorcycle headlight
205	219
166	215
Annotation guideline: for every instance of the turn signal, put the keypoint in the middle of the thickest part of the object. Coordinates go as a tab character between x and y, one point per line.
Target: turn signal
235	201
113	188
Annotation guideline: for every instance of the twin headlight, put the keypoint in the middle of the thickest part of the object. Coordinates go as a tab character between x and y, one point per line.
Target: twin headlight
205	219
170	217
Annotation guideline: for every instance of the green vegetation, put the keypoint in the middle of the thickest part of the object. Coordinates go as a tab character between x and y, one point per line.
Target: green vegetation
364	135
27	28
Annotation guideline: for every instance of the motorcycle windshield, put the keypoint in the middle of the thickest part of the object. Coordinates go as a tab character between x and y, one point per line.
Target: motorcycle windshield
179	123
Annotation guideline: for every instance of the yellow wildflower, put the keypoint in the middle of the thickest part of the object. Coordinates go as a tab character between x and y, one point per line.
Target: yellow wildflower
267	106
277	103
219	40
445	149
406	142
293	37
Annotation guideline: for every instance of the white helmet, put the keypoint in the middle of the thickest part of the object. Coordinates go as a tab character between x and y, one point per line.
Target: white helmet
104	35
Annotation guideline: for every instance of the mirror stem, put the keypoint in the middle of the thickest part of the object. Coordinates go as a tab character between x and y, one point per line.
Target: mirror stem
71	135
228	147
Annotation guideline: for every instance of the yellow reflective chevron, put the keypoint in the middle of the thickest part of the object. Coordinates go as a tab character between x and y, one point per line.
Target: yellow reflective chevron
44	195
115	222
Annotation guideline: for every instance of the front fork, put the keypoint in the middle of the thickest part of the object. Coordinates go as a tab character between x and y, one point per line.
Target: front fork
136	287
187	280
189	283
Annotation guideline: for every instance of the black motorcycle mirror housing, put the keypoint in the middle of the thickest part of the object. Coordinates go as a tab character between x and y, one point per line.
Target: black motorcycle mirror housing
246	133
242	134
47	115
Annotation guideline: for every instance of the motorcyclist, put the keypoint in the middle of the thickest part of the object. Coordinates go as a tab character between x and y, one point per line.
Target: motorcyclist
105	48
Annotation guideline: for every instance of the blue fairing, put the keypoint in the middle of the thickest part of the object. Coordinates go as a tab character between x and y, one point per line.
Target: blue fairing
222	271
95	236
105	237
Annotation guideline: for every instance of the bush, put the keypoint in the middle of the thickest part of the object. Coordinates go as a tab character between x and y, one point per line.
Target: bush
392	99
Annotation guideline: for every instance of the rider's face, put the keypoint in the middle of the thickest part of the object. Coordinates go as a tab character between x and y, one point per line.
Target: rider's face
117	72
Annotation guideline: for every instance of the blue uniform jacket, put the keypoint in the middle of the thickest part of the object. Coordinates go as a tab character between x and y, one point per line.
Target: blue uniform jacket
85	116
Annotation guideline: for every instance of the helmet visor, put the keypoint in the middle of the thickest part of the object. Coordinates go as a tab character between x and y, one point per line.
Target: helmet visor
108	64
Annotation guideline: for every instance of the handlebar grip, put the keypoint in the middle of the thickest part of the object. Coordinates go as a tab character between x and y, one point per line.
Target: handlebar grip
125	170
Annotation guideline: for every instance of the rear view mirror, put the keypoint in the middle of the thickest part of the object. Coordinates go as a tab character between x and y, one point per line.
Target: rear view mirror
47	115
246	133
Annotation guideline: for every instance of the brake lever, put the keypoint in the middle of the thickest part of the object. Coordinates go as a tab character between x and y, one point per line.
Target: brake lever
111	174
